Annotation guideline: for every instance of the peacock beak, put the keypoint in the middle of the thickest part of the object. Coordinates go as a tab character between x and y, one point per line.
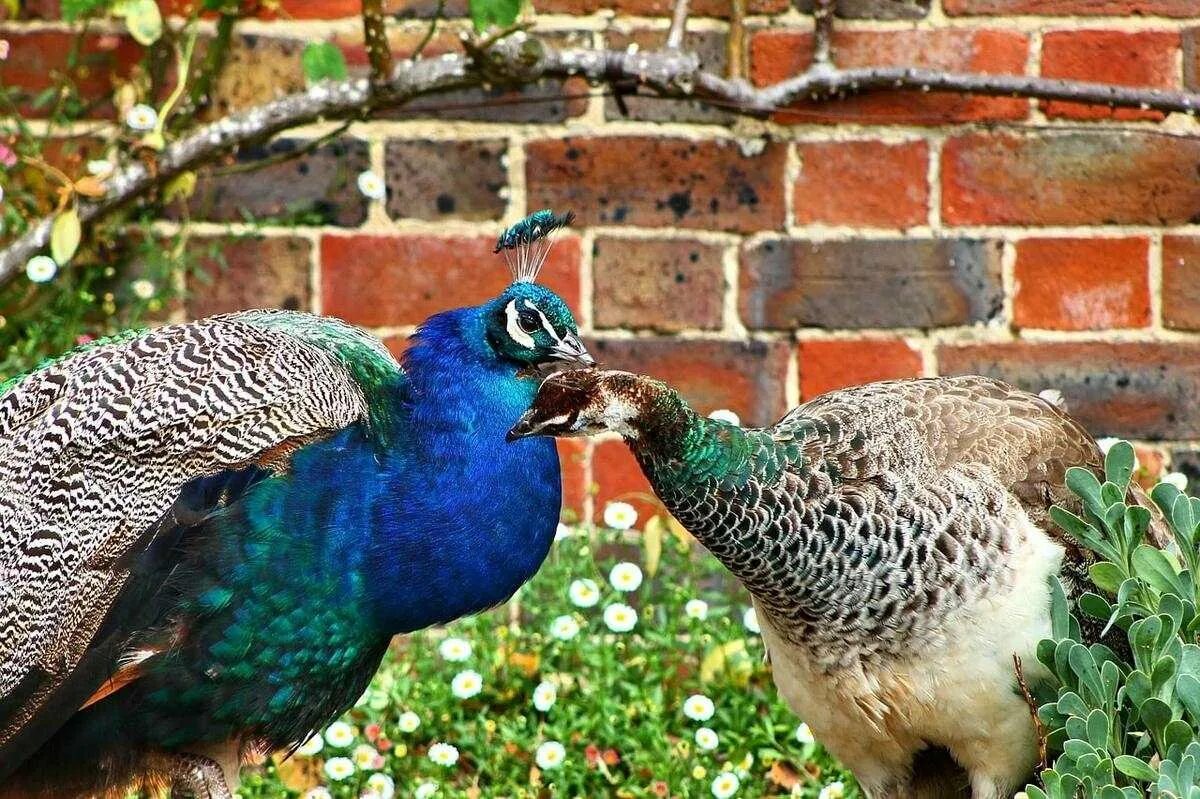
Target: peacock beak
570	348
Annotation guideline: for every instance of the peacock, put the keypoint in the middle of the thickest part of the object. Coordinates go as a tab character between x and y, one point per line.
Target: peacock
897	543
210	531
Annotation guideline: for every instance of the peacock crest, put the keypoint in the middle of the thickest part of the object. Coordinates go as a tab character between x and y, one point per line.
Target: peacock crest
526	244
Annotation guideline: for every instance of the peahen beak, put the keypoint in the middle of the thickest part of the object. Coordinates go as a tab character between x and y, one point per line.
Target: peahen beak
525	427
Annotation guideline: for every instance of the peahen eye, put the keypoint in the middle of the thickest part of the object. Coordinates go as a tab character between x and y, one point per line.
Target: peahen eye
528	321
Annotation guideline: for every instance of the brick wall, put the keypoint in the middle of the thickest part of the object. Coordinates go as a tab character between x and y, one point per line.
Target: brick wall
752	263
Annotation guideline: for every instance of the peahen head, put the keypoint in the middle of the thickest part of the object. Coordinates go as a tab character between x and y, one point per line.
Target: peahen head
583	402
530	325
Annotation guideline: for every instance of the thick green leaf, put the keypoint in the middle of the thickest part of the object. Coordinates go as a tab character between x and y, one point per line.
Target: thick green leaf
144	21
73	9
1152	565
1135	767
501	13
1106	575
323	61
1084	484
1097	729
1119	463
1164	495
65	233
1095	606
1155	713
1178	733
1084	666
1070	704
1138	687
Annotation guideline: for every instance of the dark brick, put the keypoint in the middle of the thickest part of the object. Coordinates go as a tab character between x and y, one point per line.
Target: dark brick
446	179
317	188
251	272
863	284
747	377
258	69
1099	8
1088	178
1121	389
1191	58
655	8
378	281
660	284
1187	461
647	180
708	45
1123	58
874	9
1181	282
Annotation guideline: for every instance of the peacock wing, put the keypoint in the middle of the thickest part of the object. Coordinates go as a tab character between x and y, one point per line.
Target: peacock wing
95	447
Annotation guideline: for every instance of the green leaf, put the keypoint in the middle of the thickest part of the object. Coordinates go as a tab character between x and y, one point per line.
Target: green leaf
500	13
1135	767
65	233
323	61
1060	613
1118	464
1164	495
74	9
1084	484
1070	704
1155	713
1095	606
1097	729
1178	733
1106	575
144	21
1084	665
1152	566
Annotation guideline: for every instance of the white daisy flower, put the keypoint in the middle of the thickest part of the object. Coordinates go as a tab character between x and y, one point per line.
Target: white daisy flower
583	593
425	790
141	117
620	515
544	696
1177	479
383	785
750	621
1	194
696	609
319	792
466	684
625	576
371	185
339	734
339	768
620	618
834	790
314	744
804	735
100	167
725	415
707	739
725	785
550	755
443	754
408	721
455	650
367	758
698	707
41	269
142	289
564	628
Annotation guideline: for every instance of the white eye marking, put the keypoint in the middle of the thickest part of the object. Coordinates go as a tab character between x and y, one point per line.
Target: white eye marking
514	326
545	322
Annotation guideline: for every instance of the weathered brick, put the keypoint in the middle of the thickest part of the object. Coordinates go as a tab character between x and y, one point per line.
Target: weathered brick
779	54
618	476
1082	284
1181	282
31	9
1124	58
1088	178
1137	390
863	284
1187	461
251	272
747	377
456	179
710	46
869	183
316	188
655	8
660	284
326	9
572	456
258	69
378	281
1052	8
1191	58
838	363
38	57
873	9
646	180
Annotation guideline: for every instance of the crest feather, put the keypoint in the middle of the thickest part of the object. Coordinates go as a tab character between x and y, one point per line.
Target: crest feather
527	243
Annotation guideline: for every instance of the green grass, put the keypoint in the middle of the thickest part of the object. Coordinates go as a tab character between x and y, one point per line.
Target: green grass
620	696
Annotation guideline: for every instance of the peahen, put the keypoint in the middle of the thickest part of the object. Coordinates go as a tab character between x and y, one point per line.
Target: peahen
210	531
897	543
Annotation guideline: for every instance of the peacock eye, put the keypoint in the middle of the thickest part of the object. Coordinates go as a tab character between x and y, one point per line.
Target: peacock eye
528	321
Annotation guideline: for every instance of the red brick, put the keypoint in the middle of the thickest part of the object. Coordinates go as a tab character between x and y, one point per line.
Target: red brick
776	55
1082	284
1088	178
838	363
1181	282
572	456
618	477
378	281
251	272
747	377
653	181
1099	8
655	8
1135	390
37	58
658	284
869	183
1191	58
1141	58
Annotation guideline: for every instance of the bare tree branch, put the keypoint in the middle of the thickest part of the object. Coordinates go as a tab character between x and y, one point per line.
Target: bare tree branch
519	59
375	37
678	25
735	44
822	34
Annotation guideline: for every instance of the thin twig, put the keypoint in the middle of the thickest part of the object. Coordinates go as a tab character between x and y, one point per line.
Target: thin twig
735	44
433	23
678	25
1039	728
823	34
375	37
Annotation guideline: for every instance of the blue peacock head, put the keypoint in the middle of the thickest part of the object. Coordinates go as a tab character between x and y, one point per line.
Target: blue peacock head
528	323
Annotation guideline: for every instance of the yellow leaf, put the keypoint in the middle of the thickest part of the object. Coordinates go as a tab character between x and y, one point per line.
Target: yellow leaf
680	532
784	774
153	140
526	662
729	659
652	539
89	186
144	21
180	187
65	233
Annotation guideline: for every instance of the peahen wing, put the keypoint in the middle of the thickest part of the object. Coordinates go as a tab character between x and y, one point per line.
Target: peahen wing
95	447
